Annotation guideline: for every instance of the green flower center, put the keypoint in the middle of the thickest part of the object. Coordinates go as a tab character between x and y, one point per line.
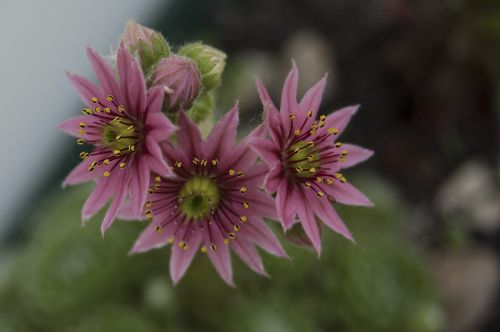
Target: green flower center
303	159
120	136
198	197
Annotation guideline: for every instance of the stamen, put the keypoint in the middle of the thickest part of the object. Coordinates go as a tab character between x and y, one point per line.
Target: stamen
158	178
92	166
297	132
80	141
246	205
232	172
170	240
203	249
94	99
178	164
215	162
213	247
106	162
122	165
243	219
84	155
109	98
106	174
320	194
116	152
243	189
333	131
309	113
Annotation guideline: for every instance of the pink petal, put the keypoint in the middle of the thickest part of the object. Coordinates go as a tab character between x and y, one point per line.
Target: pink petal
132	81
249	255
139	184
86	89
272	121
274	178
161	127
264	95
150	238
324	210
120	189
242	155
180	258
105	74
189	137
261	234
80	173
308	222
155	158
345	193
223	135
339	119
97	199
155	101
312	100
289	98
266	149
220	258
285	204
71	126
355	155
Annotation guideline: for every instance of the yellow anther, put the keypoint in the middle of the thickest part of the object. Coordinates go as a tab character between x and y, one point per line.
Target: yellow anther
150	190
338	175
157	229
312	132
343	180
338	144
226	241
195	161
121	108
170	240
322	117
92	166
204	163
292	116
94	99
116	152
122	165
319	179
309	113
87	111
158	178
307	184
82	124
84	155
246	205
149	214
345	152
80	141
231	235
310	143
213	247
97	109
299	169
343	159
297	132
182	244
320	194
236	228
232	172
81	132
333	131
321	124
243	189
119	137
312	170
107	110
109	98
178	164
148	204
310	158
329	181
131	147
106	162
240	173
131	128
243	219
215	162
203	249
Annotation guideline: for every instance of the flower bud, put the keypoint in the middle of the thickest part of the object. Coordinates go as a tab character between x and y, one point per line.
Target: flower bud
147	44
210	61
202	108
297	236
181	80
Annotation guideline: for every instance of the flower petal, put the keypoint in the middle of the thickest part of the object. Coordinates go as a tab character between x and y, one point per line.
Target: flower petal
274	178
249	255
119	195
161	127
180	258
155	158
266	150
286	204
131	81
355	155
346	193
264	95
86	89
189	137
311	101
151	239
261	234
308	222
220	257
223	135
339	119
139	184
105	74
289	98
80	173
97	199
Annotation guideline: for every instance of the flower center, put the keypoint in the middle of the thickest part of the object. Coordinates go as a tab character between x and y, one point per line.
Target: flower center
302	159
120	135
198	197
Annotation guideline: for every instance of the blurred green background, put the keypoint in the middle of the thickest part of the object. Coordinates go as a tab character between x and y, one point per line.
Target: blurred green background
427	76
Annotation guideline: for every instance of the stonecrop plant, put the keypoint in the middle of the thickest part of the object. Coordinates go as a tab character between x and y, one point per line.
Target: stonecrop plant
146	154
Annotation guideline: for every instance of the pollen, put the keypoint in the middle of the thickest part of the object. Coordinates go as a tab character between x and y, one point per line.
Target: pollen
178	164
246	205
158	178
84	155
122	165
116	152
94	99
158	229
80	141
333	131
106	162
309	113
203	249
215	162
170	240
243	219
106	174
320	194
109	98
297	132
232	172
292	116
82	125
243	189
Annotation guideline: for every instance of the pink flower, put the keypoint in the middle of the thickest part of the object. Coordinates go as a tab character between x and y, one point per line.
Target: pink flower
123	123
134	32
306	161
214	201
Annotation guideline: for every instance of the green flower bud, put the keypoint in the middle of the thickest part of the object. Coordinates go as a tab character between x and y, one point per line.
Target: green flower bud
147	44
210	61
202	108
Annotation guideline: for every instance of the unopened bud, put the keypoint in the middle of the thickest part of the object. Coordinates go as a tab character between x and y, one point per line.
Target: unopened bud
147	44
181	81
202	108
210	61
